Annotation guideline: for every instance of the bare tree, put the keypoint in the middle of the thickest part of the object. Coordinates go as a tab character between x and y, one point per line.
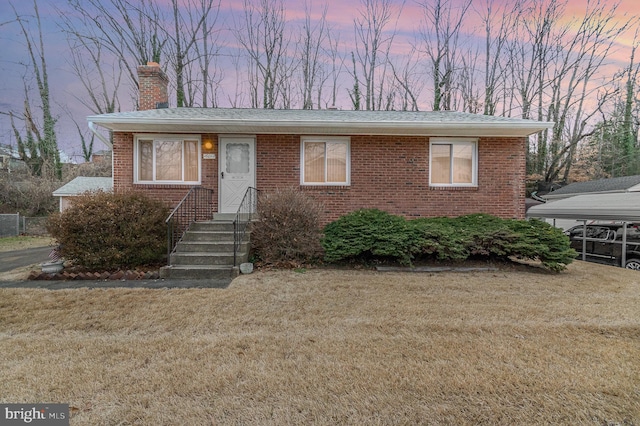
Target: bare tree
572	83
409	81
337	65
629	123
355	93
194	26
183	34
535	42
439	35
237	100
207	51
612	150
373	41
469	89
313	38
39	148
498	23
100	79
262	35
130	31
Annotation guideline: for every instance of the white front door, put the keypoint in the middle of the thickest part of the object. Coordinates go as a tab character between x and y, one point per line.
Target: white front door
237	170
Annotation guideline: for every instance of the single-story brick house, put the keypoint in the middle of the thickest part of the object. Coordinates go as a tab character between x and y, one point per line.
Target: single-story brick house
415	164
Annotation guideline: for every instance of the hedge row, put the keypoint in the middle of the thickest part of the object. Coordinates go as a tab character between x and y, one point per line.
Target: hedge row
371	234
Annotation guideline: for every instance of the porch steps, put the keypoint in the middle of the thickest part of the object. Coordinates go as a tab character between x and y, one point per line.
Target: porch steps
206	252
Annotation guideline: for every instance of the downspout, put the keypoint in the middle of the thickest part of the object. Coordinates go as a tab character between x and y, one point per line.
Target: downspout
92	127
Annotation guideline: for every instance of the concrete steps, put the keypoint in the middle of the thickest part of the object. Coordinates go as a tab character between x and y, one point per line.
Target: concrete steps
206	252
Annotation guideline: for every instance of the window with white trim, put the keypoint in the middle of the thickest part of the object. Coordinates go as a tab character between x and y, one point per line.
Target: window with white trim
453	162
166	159
325	161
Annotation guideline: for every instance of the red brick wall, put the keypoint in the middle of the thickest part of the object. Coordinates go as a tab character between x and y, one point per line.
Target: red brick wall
152	86
388	173
392	174
171	194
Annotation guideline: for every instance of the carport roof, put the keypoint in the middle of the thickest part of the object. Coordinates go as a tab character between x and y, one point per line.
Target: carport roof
624	207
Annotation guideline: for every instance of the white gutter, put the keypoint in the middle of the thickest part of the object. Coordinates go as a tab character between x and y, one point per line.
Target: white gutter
104	140
196	120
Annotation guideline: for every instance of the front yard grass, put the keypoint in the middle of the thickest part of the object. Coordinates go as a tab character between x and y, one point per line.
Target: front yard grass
24	242
334	347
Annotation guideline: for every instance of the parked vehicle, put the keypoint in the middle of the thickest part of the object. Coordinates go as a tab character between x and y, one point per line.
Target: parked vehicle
604	244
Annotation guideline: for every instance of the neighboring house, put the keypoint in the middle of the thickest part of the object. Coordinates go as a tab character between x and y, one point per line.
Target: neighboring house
100	156
600	186
10	159
80	185
65	158
415	164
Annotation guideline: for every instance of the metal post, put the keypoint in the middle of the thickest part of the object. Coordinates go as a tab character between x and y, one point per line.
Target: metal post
624	245
169	239
584	240
235	243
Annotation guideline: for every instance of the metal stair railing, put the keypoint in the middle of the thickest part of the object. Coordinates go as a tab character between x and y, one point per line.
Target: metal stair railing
196	205
243	218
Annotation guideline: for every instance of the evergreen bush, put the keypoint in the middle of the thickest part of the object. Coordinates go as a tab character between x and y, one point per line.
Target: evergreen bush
368	235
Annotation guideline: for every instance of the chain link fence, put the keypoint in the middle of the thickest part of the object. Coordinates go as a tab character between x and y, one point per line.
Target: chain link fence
9	225
12	225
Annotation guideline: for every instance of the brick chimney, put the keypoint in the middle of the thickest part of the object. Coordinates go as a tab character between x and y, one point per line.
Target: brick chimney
152	87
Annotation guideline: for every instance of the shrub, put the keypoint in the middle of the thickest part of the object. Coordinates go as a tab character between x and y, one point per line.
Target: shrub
367	234
102	230
373	234
539	240
30	195
27	195
288	227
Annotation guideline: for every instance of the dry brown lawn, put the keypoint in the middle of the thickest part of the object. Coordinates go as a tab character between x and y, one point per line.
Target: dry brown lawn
334	347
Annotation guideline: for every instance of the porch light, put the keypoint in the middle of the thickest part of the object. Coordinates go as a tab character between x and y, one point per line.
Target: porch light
207	144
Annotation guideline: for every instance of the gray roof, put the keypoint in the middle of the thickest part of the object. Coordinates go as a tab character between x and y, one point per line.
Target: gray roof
619	184
83	184
619	207
9	151
338	122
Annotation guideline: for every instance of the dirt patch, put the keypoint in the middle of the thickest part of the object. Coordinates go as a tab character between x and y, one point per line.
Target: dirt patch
19	274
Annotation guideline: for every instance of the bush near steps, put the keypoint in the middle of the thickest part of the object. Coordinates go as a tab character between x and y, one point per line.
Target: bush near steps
107	231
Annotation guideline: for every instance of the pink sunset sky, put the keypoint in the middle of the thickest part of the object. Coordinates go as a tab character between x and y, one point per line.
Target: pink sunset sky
64	84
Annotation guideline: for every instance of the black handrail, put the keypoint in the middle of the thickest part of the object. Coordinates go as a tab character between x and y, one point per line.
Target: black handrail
244	215
196	205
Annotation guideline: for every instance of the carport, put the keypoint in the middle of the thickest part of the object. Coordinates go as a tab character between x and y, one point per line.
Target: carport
621	207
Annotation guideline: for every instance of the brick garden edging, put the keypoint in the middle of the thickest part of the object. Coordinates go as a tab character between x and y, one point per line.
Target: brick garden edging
128	275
